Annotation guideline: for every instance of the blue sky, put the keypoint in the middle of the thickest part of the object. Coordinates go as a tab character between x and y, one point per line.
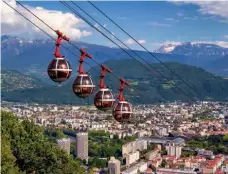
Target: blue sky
151	22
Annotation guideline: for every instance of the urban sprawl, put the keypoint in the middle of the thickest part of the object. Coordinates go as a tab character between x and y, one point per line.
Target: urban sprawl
169	127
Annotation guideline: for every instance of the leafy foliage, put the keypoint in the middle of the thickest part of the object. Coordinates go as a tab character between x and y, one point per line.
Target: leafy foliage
102	146
163	163
216	143
54	133
27	149
96	162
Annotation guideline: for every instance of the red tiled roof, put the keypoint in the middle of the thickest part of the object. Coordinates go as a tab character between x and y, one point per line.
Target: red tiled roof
169	157
148	170
219	156
219	171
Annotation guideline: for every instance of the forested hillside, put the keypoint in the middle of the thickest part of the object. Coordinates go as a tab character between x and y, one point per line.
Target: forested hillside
14	80
146	87
25	149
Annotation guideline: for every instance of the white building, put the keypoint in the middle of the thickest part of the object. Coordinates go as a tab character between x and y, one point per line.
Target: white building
64	144
137	168
131	170
142	166
132	157
177	171
174	150
114	166
133	146
152	154
82	145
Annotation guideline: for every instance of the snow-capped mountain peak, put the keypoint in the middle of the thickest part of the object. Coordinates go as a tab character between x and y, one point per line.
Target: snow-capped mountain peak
167	48
192	48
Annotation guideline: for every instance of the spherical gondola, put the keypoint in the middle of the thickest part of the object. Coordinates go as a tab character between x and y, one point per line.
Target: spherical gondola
59	70
83	86
122	111
104	99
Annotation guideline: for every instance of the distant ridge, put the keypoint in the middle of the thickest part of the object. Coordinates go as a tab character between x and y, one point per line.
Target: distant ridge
154	90
33	56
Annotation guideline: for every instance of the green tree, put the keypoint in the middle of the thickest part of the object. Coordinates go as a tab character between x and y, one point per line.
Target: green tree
163	163
27	148
152	167
8	164
63	121
181	166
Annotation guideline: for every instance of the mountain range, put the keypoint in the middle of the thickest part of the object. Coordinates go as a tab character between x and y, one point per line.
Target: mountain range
24	72
193	49
33	56
146	87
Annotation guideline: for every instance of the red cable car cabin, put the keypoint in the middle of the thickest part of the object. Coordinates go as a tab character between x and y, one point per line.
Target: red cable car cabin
104	99
83	85
122	111
59	68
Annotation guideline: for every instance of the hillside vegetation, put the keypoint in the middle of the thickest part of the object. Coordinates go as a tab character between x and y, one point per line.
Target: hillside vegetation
14	80
151	86
25	149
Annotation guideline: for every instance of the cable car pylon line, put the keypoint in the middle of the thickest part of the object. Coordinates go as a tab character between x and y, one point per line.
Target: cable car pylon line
114	37
145	49
110	32
69	7
119	40
45	23
49	28
119	47
48	34
68	42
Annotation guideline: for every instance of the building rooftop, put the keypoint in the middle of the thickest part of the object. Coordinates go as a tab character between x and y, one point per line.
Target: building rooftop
63	140
82	133
178	140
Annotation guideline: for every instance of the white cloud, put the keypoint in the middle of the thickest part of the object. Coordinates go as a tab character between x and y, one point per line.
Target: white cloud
142	41
171	19
226	36
191	18
213	7
131	41
14	24
218	8
158	24
86	33
113	34
97	26
180	14
122	17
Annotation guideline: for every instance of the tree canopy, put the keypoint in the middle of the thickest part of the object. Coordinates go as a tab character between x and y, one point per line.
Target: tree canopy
25	149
